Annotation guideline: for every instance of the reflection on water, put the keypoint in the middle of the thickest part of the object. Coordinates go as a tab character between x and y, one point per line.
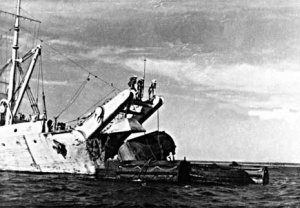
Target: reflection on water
20	189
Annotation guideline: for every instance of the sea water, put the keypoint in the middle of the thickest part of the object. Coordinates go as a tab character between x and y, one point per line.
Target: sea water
20	189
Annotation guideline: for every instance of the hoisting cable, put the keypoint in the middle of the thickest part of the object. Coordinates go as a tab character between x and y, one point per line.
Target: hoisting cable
158	139
4	67
92	106
75	96
84	83
151	150
30	96
78	65
23	17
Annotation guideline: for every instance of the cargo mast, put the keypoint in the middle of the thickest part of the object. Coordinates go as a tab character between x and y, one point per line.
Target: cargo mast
11	88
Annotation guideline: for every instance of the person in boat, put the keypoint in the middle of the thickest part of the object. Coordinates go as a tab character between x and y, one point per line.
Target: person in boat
152	89
132	82
171	157
140	88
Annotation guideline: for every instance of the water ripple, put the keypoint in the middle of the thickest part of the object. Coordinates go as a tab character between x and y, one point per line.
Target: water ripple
20	189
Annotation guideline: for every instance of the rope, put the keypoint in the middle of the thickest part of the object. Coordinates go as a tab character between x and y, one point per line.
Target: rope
75	96
144	168
92	106
158	139
27	13
81	67
151	149
80	89
78	65
28	91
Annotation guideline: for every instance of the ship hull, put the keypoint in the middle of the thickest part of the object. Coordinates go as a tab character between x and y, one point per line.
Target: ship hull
60	152
24	148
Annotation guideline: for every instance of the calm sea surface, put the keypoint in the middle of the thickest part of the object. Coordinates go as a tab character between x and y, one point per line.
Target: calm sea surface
30	190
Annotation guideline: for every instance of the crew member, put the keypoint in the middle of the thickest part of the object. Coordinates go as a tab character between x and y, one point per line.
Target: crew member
140	88
151	89
132	82
49	125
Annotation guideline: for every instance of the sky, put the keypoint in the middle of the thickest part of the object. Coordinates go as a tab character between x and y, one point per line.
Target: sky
229	71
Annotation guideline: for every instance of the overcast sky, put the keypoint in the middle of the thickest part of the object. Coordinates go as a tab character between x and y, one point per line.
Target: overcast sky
228	70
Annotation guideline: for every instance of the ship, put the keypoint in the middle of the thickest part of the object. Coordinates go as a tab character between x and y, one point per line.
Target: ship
39	145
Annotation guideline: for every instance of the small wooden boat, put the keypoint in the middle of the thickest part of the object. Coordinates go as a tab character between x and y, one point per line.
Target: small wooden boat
233	174
151	158
183	172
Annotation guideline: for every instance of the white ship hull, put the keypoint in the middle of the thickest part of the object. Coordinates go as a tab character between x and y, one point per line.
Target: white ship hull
24	148
45	153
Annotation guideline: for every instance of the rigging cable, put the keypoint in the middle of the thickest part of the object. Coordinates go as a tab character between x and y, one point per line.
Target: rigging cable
7	43
31	99
75	96
92	106
81	67
84	83
158	139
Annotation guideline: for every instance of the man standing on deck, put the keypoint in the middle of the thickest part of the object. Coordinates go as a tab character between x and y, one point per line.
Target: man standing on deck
151	89
140	89
132	82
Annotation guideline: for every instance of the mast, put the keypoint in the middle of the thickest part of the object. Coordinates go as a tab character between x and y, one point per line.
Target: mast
11	88
27	77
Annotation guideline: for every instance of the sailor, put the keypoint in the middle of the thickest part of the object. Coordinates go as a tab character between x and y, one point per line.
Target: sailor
49	125
132	82
151	89
22	116
171	157
140	89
